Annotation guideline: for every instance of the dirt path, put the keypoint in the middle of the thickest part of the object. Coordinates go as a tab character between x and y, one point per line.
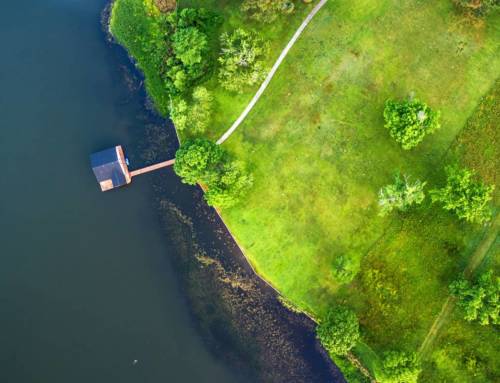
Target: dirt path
448	306
271	74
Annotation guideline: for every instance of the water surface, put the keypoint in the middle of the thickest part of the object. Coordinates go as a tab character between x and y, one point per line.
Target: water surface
86	286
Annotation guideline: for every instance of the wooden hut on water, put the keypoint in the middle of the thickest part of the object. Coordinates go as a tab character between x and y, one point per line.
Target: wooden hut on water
111	168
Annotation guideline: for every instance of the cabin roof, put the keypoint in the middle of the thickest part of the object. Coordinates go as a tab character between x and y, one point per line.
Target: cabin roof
109	168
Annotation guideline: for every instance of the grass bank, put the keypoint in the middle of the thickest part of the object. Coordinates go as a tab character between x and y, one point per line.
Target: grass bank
319	153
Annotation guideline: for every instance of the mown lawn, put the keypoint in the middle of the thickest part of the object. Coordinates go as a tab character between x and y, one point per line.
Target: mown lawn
319	153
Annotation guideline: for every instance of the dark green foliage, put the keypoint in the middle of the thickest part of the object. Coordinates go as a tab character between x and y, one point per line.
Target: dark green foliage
344	268
466	197
173	50
195	115
410	121
188	33
400	367
198	161
229	187
479	300
266	10
477	8
339	331
203	161
400	195
189	45
241	60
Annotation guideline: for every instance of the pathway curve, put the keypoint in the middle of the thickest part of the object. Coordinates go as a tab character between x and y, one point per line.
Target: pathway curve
474	262
271	74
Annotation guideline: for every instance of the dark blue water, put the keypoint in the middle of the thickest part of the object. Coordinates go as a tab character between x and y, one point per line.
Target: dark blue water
86	286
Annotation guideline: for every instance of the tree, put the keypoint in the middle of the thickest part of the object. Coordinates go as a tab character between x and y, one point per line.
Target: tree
400	367
410	121
344	268
339	331
466	197
203	161
479	300
186	34
194	116
241	58
190	45
266	10
198	161
400	195
229	187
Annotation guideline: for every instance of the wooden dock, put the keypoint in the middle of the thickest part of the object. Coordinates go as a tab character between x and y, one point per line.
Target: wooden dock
151	168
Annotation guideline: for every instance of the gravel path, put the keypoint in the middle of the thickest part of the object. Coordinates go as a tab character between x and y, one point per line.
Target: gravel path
271	74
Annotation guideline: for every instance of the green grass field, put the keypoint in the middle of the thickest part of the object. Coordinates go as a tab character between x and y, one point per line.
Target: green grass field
319	153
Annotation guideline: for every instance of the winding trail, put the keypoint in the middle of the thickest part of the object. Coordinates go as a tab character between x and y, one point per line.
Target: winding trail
448	306
271	74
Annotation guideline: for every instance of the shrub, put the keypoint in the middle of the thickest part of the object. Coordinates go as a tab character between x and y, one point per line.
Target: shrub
203	161
229	187
410	121
344	269
187	43
400	367
465	196
400	195
339	331
266	10
479	300
198	161
194	116
241	58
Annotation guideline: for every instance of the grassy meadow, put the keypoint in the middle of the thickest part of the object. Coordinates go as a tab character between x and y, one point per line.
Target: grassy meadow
319	153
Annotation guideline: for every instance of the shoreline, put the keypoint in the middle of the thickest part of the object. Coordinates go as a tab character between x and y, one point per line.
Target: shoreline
231	267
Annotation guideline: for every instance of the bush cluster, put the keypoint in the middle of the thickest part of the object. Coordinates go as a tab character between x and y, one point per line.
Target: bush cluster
339	331
467	197
409	122
479	300
241	60
203	161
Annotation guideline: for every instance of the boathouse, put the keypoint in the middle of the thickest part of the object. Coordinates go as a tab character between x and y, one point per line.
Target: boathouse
110	168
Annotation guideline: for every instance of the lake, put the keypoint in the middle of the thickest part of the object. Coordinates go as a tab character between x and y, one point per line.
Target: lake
87	291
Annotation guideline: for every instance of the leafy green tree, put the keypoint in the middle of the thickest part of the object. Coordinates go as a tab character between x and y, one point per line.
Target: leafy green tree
339	331
194	116
198	161
186	34
344	268
400	195
479	300
190	45
266	10
409	122
241	60
204	161
400	367
466	197
229	187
